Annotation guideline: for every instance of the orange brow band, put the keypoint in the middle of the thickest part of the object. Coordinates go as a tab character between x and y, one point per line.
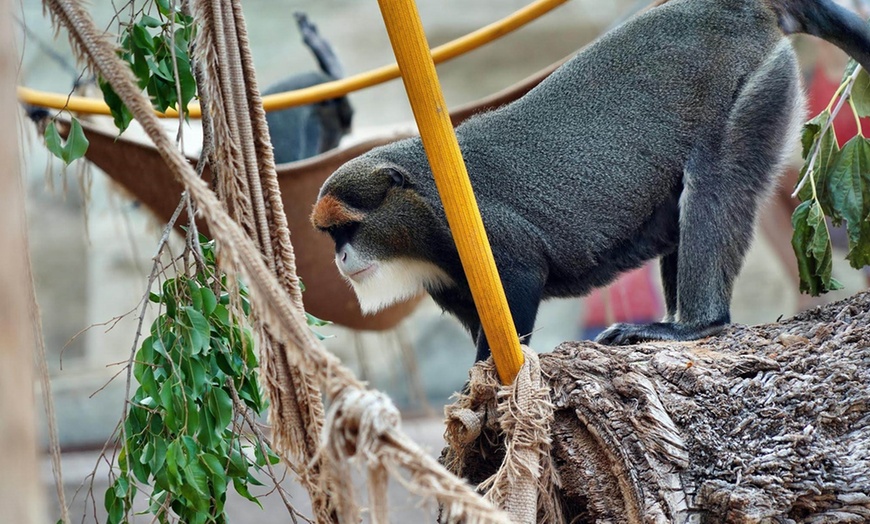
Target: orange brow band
329	211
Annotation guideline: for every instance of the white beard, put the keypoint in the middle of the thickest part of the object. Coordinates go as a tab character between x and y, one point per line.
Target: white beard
396	280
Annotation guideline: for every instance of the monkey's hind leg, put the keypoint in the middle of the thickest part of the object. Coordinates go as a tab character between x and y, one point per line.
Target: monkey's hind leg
668	267
726	178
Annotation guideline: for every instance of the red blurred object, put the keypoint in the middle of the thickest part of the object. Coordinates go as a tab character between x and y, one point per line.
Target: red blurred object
821	89
634	297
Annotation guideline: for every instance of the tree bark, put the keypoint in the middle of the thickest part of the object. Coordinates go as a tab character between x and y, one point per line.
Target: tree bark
768	423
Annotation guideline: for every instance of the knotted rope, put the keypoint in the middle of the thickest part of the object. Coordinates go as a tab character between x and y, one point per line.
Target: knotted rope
526	483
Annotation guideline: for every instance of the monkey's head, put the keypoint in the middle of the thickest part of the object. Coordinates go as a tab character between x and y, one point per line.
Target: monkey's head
386	233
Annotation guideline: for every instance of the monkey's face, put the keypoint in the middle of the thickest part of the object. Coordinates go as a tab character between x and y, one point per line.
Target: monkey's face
382	229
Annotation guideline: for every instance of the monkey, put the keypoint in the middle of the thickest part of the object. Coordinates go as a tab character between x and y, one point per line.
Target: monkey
306	131
659	140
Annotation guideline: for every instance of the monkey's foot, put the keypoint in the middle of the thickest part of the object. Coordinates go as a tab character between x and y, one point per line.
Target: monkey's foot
625	334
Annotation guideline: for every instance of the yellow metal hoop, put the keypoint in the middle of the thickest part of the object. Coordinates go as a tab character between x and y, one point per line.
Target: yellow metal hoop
443	53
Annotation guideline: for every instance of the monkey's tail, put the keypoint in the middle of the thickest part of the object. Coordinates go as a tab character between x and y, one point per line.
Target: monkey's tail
829	21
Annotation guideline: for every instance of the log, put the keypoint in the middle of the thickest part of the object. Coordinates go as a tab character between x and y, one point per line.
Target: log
760	424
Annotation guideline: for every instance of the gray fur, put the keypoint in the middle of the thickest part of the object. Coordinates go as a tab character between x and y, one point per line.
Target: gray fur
659	140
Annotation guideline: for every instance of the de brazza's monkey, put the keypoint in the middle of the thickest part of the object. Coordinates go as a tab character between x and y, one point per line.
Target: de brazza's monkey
659	140
305	131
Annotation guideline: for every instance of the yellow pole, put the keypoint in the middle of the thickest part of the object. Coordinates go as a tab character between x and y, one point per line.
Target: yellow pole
430	111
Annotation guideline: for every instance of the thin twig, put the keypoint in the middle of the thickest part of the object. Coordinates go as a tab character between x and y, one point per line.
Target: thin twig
164	238
263	441
113	321
180	136
93	474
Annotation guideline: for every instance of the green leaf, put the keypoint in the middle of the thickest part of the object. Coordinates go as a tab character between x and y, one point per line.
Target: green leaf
139	64
812	247
200	330
828	150
121	115
149	385
164	7
219	488
142	38
820	242
208	434
76	143
242	489
850	68
811	130
52	140
195	294
169	297
209	301
859	254
168	393
250	392
847	189
196	475
192	413
158	459
121	487
254	480
227	363
212	463
799	241
150	21
221	406
222	314
197	377
238	462
860	96
157	501
147	453
114	507
173	454
316	322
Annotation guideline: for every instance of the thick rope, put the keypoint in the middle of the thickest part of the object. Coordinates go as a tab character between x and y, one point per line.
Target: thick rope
296	410
366	427
274	205
227	158
272	303
526	484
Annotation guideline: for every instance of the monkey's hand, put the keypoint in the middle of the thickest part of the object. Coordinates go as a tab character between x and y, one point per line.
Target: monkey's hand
625	334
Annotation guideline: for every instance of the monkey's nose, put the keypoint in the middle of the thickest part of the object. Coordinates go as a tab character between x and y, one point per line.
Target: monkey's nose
344	256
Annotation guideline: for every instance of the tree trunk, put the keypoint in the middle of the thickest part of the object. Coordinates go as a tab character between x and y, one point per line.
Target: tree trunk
759	424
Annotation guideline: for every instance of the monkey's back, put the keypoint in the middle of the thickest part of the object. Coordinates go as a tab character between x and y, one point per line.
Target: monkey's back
558	159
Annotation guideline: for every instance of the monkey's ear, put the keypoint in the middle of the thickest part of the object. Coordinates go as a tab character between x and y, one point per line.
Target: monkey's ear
396	177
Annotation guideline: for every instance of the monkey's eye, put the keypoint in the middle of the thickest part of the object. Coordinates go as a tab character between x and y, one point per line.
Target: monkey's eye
396	176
